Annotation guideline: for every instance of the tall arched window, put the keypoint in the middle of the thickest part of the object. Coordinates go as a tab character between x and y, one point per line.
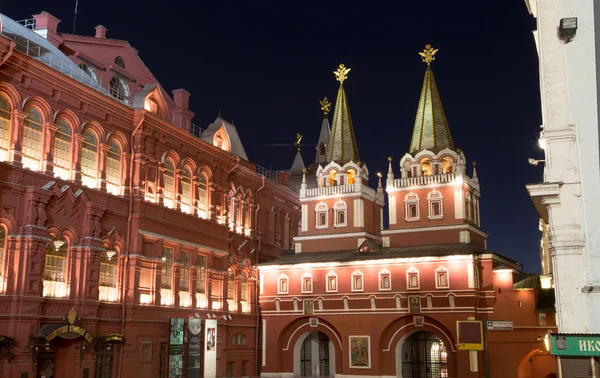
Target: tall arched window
119	61
62	150
230	285
5	112
202	196
168	177
351	177
113	168
89	160
89	71
108	277
186	191
55	269
119	89
32	140
244	288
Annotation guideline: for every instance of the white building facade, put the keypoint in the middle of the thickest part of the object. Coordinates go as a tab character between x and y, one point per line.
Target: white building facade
568	199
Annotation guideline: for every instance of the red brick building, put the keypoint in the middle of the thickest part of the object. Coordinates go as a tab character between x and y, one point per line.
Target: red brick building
116	206
355	300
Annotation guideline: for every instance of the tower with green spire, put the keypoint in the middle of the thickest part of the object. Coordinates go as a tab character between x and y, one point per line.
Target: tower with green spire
434	201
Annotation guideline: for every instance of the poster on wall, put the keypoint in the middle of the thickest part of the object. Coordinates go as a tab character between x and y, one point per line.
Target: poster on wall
210	348
176	348
360	356
193	347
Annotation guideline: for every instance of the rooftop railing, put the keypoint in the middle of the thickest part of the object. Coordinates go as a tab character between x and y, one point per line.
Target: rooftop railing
269	174
424	180
28	23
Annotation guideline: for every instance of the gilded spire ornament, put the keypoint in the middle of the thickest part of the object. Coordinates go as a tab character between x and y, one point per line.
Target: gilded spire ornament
298	141
342	73
325	105
427	55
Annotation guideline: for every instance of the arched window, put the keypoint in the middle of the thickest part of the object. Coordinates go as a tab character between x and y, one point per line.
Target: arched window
357	281
321	215
435	203
186	191
202	196
238	339
151	105
119	61
5	113
166	294
119	89
230	285
244	288
89	71
332	178
168	177
447	164
108	277
184	272
62	150
411	207
351	177
341	214
55	266
113	168
89	160
32	140
426	168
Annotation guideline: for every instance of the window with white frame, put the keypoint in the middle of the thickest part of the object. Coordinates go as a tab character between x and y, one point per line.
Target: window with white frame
412	279
230	285
322	215
89	71
244	288
89	160
119	89
469	206
113	168
385	280
341	213
442	278
108	277
186	191
201	281
238	339
411	207
202	196
332	282
168	177
5	116
167	268
55	269
62	150
357	281
282	284
32	140
307	283
435	203
184	277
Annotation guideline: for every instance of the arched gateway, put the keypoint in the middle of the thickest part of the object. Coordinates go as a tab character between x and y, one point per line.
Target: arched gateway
421	355
314	356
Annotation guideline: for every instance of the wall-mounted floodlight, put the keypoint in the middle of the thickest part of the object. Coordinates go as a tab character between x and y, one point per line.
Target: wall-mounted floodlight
567	28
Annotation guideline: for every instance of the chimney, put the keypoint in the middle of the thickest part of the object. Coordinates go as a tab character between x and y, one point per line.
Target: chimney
101	32
46	25
181	98
284	178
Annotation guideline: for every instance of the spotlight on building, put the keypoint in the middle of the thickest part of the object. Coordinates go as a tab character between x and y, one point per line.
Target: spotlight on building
567	28
535	162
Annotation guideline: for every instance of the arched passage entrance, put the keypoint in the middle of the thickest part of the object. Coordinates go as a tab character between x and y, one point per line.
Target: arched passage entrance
314	356
421	354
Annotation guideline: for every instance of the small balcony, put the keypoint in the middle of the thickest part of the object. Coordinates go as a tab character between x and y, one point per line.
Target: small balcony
331	190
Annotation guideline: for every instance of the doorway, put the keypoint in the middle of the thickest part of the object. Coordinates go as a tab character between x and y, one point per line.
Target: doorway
423	355
315	356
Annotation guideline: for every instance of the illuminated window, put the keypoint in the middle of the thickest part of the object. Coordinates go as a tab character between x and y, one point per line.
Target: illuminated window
411	207
184	277
441	278
357	281
119	89
167	268
426	168
186	191
332	178
341	212
5	115
307	283
119	61
447	164
385	280
108	277
321	214
55	266
244	288
332	282
168	177
62	151
89	160
238	339
435	204
32	140
202	196
89	71
230	285
282	284
351	177
412	279
244	209
113	168
151	105
201	281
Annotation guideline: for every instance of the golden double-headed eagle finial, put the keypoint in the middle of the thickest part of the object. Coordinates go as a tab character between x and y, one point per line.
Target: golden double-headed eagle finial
428	54
342	73
298	140
325	105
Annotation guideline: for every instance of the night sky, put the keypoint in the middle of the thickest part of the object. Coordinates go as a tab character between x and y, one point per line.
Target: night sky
267	64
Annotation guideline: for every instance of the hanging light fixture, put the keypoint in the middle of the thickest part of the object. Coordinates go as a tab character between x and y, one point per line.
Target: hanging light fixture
110	254
58	244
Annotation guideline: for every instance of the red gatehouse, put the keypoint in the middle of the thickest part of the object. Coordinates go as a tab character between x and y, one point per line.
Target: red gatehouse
353	299
118	213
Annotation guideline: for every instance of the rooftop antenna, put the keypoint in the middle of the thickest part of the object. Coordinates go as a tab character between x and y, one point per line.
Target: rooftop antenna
75	16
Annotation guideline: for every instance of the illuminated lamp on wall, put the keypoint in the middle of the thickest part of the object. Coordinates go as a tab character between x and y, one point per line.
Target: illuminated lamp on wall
110	254
58	244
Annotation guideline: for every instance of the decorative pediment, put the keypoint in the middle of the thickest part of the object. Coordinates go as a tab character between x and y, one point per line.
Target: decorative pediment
368	246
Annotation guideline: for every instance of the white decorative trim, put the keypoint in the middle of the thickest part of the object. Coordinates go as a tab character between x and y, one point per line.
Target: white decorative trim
435	196
350	352
287	347
410	200
304	218
392	209
442	270
303	287
337	236
409	272
321	208
264	342
357	273
425	323
182	242
282	277
327	277
436	228
340	207
359	213
459	204
383	272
